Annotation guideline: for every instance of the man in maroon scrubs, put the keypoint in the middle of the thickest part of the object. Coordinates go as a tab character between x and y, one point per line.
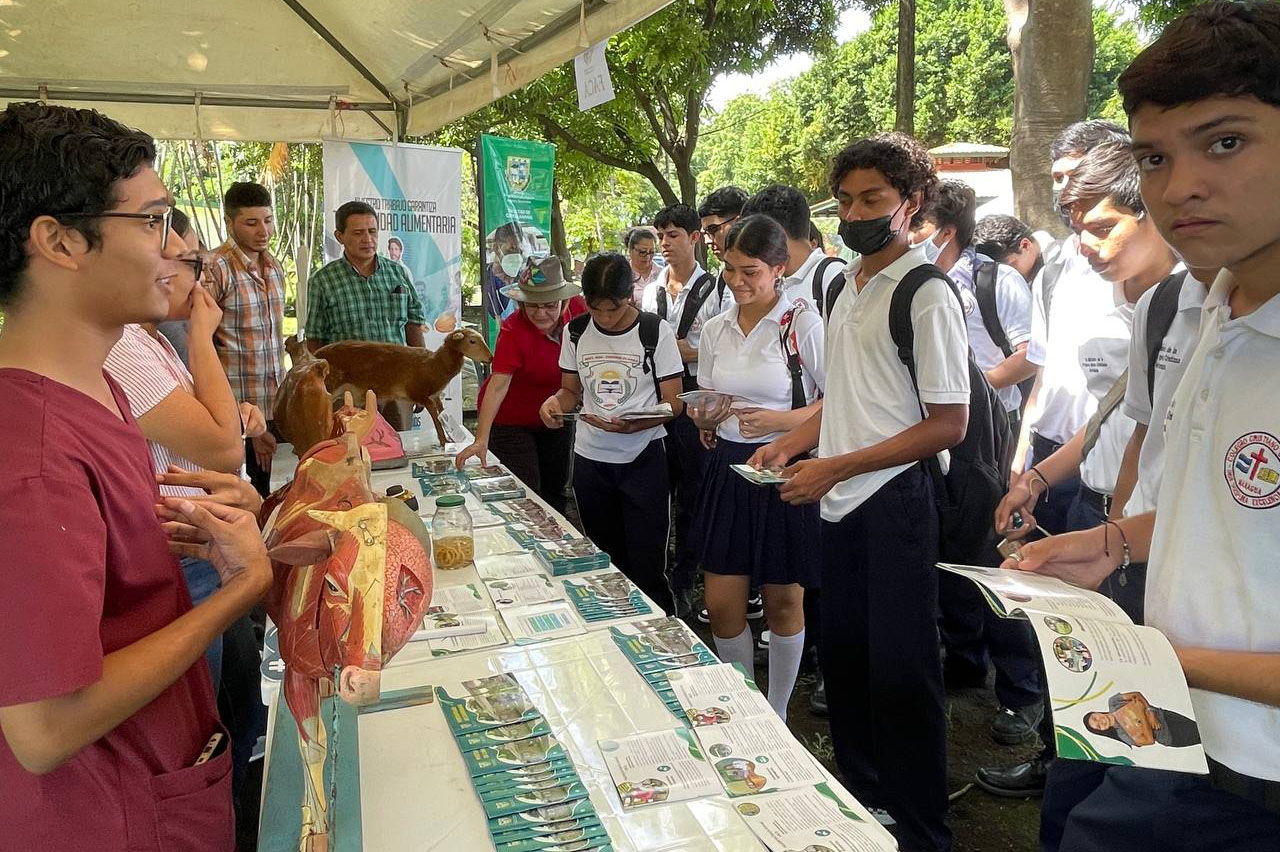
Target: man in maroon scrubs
109	735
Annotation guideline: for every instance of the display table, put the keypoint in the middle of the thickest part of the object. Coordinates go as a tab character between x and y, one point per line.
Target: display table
414	790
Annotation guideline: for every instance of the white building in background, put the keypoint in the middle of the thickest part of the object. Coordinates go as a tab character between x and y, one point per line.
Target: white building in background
983	167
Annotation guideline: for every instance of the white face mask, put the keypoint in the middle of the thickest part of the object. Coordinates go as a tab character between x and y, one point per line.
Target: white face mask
511	263
933	251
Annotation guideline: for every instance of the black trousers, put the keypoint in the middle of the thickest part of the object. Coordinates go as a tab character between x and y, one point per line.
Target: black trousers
258	477
687	460
1052	508
972	633
626	510
880	657
539	457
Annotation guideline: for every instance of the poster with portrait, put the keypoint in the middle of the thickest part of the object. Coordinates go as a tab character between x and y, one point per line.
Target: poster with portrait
417	193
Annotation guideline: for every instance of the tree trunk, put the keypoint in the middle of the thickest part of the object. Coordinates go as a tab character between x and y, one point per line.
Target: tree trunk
905	118
1051	42
560	240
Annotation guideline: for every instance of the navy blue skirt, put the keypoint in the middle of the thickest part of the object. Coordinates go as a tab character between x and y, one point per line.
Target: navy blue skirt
746	529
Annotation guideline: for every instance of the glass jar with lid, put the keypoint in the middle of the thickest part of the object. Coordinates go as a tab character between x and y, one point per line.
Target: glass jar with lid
452	542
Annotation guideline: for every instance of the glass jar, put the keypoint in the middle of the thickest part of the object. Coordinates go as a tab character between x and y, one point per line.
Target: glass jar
452	543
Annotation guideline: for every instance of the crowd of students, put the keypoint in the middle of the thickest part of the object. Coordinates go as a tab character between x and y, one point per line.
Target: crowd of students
885	391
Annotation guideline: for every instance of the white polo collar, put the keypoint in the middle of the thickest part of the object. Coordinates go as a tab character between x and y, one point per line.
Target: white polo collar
1266	319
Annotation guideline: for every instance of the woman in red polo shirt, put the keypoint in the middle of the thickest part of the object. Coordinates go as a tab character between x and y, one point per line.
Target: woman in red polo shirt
526	370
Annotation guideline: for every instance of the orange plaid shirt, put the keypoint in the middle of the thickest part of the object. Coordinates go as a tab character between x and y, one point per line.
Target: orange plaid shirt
250	340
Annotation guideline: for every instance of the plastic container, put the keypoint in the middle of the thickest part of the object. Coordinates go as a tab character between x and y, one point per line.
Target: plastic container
452	542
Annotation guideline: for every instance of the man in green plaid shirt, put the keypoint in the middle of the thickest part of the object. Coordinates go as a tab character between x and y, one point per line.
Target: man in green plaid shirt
361	296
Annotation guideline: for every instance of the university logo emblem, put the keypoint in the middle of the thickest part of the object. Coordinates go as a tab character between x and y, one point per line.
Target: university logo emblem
519	170
610	379
1252	470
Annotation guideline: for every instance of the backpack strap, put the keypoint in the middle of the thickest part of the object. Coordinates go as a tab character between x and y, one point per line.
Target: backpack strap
649	340
1160	315
818	272
984	288
693	303
834	289
662	302
721	286
900	327
576	327
1107	407
791	349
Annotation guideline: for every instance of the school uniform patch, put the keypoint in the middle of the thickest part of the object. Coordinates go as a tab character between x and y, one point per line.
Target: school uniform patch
1253	470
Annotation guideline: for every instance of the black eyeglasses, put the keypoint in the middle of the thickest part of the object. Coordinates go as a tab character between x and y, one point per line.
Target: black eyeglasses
712	230
644	252
164	220
197	264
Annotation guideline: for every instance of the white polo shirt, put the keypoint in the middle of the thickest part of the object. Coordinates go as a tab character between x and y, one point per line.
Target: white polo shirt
1104	356
1214	575
610	365
1013	310
869	397
1081	298
754	366
1179	342
675	306
799	284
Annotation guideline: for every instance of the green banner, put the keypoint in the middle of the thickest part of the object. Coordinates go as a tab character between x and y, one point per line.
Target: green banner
515	198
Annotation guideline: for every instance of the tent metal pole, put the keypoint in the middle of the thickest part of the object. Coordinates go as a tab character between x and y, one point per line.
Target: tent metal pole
206	100
342	50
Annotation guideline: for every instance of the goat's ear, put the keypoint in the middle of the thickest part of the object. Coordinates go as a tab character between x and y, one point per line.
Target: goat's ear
458	335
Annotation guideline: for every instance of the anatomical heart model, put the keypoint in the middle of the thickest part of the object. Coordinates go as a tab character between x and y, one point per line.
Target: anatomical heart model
352	580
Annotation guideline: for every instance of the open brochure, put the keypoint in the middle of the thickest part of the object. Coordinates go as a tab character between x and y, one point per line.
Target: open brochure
712	695
667	766
757	756
662	409
812	819
1117	691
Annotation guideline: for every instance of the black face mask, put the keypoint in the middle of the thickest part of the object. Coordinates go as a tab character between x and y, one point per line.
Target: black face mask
868	236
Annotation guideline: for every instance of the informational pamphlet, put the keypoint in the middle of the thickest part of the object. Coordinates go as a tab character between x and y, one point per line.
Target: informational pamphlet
659	646
715	694
667	766
759	477
662	409
508	565
524	591
811	819
757	756
541	622
606	597
490	637
494	541
1117	691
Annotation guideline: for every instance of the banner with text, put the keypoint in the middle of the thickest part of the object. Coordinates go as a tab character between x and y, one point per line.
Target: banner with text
417	193
515	195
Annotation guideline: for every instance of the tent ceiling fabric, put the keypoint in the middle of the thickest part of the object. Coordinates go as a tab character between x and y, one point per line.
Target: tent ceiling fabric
291	70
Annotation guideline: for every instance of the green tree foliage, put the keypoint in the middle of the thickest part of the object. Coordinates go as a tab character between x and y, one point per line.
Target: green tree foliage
964	92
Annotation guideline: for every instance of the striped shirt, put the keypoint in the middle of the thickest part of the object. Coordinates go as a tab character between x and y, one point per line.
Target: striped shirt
250	340
345	305
148	370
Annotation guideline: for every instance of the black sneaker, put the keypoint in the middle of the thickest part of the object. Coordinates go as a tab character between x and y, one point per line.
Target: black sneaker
1026	780
755	607
1017	726
704	616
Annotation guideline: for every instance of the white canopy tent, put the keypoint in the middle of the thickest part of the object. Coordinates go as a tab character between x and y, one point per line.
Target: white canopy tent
292	70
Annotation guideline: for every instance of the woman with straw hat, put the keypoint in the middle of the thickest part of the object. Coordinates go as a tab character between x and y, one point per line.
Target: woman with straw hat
525	372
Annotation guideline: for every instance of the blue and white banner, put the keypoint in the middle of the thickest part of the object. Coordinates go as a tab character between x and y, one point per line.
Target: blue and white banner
417	192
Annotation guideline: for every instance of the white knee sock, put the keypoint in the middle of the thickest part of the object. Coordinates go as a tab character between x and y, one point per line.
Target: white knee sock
784	664
738	649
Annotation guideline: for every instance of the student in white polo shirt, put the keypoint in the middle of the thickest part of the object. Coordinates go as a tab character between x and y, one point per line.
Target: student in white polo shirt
1010	241
717	212
1068	298
748	537
879	517
809	271
684	297
614	360
1204	105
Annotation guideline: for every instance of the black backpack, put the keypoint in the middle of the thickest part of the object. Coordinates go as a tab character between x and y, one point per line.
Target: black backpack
648	339
823	265
984	288
702	288
968	493
791	349
1160	316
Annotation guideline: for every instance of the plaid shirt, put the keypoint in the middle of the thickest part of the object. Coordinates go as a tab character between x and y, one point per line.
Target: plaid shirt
344	305
250	340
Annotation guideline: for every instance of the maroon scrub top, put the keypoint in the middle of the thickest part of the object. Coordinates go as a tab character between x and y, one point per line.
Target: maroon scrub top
85	570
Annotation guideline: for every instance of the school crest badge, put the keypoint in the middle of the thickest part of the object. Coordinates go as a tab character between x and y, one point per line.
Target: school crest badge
610	379
1252	470
519	171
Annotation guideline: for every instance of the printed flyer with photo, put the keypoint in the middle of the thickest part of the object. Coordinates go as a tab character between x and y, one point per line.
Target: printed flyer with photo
524	591
667	766
1117	691
541	622
757	756
491	636
715	694
811	819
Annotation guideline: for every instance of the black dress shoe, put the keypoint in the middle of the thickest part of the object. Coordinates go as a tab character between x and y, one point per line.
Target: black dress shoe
1019	782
